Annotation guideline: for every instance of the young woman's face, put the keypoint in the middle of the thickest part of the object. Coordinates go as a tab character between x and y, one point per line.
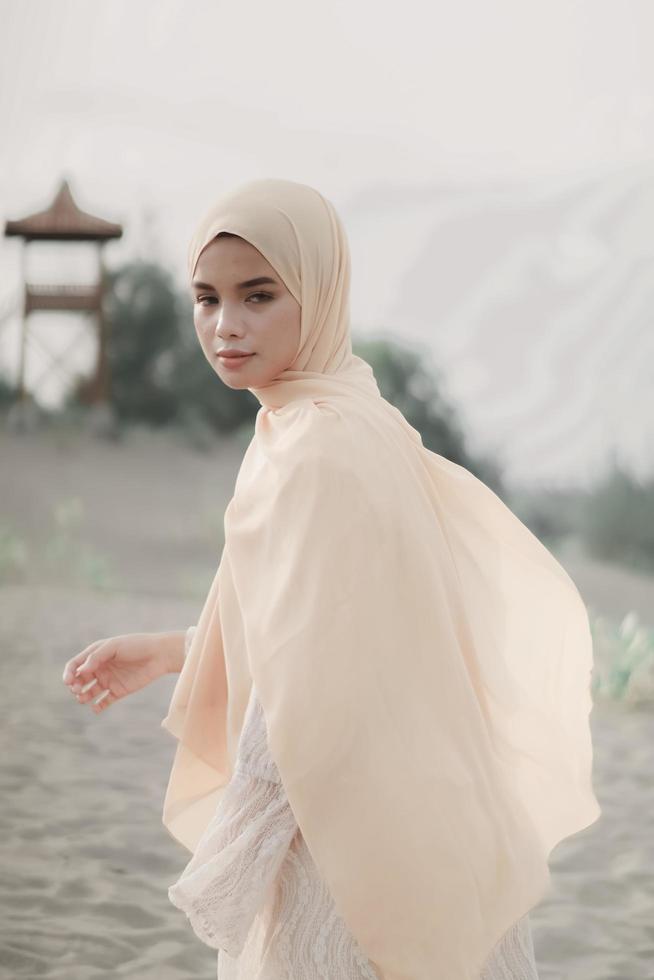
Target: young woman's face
231	313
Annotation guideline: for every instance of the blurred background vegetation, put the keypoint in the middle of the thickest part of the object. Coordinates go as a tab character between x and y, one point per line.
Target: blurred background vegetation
160	379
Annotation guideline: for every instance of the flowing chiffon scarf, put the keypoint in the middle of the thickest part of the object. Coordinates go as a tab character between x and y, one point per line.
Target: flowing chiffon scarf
422	660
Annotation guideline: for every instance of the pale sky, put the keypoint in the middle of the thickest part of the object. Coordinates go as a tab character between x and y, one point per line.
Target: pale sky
152	109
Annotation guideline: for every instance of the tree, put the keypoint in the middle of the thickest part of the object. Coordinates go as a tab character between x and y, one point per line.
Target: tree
414	387
141	308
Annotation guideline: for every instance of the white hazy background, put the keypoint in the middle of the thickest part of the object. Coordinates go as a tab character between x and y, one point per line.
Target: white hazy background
493	163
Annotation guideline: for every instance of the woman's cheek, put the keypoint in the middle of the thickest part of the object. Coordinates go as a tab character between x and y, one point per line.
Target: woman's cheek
203	330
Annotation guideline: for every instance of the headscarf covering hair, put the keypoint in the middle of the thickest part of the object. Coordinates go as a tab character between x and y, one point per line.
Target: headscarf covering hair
422	660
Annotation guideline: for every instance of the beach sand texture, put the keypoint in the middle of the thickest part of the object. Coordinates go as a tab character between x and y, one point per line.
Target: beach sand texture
85	860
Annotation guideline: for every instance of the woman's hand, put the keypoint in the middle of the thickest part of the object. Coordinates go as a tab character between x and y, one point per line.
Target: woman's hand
109	669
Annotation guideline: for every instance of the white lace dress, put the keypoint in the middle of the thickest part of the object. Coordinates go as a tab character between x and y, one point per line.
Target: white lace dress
252	892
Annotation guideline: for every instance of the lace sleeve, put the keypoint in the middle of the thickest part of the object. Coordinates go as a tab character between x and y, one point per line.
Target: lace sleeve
514	955
225	883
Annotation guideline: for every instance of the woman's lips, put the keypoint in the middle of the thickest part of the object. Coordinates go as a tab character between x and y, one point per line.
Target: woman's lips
234	361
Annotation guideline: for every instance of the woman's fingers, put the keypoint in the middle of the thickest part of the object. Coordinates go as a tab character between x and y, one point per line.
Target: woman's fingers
87	679
88	691
98	696
70	675
102	701
93	666
99	681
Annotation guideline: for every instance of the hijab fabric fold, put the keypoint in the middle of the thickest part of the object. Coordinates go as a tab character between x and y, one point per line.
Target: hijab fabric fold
422	660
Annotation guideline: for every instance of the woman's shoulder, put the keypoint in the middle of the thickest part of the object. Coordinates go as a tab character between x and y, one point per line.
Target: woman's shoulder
308	435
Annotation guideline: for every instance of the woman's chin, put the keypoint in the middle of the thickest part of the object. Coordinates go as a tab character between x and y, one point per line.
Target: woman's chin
240	379
237	377
236	383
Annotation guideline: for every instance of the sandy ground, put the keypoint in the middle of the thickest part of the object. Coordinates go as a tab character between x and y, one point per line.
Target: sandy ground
85	860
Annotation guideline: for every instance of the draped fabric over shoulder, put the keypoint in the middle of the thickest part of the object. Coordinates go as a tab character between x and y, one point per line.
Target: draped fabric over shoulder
422	660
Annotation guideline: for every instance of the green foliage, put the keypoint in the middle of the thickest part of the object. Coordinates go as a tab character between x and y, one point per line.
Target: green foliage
7	391
617	521
63	557
553	515
14	555
410	381
67	555
142	312
623	659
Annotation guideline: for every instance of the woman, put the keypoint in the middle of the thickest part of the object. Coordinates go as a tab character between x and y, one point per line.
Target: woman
382	717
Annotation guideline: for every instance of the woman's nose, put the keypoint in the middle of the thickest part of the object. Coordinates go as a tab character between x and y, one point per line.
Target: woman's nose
227	323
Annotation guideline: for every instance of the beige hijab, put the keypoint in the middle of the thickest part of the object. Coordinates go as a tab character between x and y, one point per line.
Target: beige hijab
422	660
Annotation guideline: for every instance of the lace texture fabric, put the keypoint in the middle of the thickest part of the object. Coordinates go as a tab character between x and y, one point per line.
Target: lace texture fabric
252	891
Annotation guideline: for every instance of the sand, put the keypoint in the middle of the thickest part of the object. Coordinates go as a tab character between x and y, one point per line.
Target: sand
85	860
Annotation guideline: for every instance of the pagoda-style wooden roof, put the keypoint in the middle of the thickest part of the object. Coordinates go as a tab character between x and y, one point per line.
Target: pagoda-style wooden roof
63	220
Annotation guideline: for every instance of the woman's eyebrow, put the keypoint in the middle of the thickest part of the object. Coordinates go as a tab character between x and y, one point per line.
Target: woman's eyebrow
259	281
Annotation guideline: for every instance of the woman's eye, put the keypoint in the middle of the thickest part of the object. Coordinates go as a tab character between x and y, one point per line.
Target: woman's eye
205	300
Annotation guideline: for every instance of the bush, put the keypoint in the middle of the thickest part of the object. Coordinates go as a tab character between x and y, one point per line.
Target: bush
617	521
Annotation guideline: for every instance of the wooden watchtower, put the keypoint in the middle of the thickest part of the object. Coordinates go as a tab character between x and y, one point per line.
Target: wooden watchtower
64	221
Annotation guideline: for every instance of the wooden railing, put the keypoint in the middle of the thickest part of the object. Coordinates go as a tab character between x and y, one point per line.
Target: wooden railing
62	296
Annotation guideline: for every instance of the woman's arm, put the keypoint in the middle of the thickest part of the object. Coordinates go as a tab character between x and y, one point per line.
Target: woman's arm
111	668
175	648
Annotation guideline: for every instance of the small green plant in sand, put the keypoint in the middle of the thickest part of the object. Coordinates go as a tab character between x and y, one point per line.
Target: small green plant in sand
623	654
66	553
14	555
